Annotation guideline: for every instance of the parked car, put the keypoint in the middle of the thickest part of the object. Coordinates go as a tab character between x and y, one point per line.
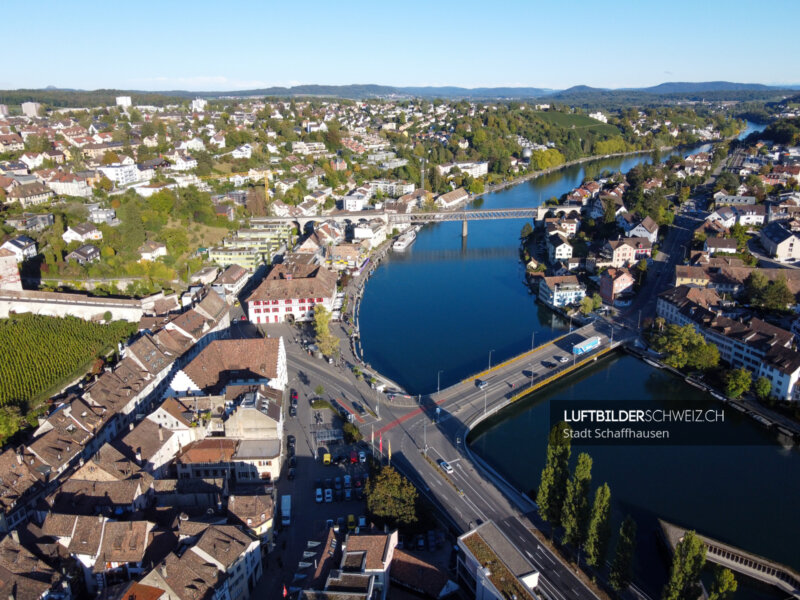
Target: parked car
337	483
362	521
351	522
362	457
348	494
319	495
353	457
328	495
290	439
291	474
348	481
446	467
293	396
292	411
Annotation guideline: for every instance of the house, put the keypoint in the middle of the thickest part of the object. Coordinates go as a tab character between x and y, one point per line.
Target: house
614	282
734	200
233	279
83	232
151	251
780	241
151	446
725	216
647	228
226	362
558	248
88	253
31	222
452	199
21	246
718	245
32	194
258	416
252	506
243	151
291	292
624	252
561	290
748	215
240	461
371	232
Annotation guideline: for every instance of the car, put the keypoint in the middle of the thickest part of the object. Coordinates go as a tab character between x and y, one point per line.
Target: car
348	481
446	467
243	318
291	439
362	521
348	494
563	359
353	457
481	384
290	450
328	496
420	542
293	396
351	522
291	474
362	457
357	481
318	495
337	483
340	522
292	411
293	462
329	523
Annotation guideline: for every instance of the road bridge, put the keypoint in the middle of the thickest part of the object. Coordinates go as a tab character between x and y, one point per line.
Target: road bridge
756	567
416	218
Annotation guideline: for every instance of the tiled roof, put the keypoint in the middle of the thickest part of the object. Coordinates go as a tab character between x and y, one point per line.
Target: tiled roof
209	450
376	548
223	360
286	282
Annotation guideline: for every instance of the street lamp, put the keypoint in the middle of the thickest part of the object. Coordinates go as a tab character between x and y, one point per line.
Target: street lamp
484	400
438	379
530	370
532	334
490	358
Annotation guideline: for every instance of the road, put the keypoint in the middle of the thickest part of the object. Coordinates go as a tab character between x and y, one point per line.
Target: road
469	494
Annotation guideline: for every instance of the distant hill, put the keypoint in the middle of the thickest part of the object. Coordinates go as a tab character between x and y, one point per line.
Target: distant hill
576	95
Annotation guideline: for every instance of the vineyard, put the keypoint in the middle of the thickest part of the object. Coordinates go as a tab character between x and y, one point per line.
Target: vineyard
39	352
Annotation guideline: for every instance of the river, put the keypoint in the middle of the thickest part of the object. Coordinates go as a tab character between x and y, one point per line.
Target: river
449	306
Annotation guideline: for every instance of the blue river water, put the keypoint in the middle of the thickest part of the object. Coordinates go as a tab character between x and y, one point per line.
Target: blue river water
449	306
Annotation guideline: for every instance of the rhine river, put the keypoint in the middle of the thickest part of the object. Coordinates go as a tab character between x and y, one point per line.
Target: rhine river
447	302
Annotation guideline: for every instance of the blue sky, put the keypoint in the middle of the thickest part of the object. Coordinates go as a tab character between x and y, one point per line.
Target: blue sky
212	45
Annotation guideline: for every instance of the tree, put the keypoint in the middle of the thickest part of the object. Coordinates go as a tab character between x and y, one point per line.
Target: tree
597	301
110	157
609	210
587	305
684	346
104	184
684	574
737	382
599	531
762	387
778	296
526	232
724	584
10	421
622	565
391	497
352	434
319	390
575	512
327	343
553	484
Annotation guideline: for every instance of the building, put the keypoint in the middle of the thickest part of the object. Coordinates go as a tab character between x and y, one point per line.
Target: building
647	228
31	109
614	282
780	242
199	105
32	194
151	251
624	252
558	248
395	189
291	292
254	509
452	199
88	253
21	246
763	349
31	222
233	279
598	116
239	461
716	245
259	361
122	174
124	101
473	169
491	567
83	232
561	290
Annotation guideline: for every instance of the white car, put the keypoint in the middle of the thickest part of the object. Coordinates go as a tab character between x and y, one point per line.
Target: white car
563	359
319	495
328	495
446	467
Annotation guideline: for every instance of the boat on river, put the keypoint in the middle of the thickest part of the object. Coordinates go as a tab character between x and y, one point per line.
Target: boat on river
404	241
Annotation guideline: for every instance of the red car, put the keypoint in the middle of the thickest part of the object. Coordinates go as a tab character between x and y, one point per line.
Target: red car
353	457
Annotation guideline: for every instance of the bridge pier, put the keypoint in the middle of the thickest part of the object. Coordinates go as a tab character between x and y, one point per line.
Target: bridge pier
464	228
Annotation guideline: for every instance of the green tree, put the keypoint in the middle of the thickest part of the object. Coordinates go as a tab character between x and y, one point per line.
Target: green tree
599	530
687	563
10	421
352	434
587	305
737	382
319	390
762	387
597	301
327	343
724	584
778	296
575	512
391	497
755	288
526	232
553	485
622	565
110	157
684	346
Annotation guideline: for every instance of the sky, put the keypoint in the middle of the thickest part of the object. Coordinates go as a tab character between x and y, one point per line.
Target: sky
233	45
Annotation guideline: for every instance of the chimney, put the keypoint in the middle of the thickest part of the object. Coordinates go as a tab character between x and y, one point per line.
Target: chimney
15	536
130	427
160	434
139	456
164	570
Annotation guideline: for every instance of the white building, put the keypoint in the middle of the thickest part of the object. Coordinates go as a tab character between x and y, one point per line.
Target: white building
122	174
199	105
395	189
290	292
374	232
598	116
243	151
83	232
124	101
31	109
562	290
22	247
